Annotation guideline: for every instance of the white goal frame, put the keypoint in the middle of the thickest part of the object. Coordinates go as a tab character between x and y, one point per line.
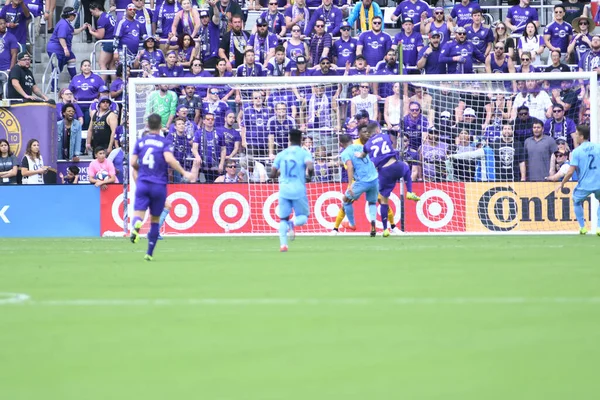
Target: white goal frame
315	80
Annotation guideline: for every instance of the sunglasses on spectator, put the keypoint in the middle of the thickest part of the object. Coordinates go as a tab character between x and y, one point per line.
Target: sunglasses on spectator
272	4
415	109
525	59
586	114
295	30
439	13
376	22
364	86
214	92
406	140
583	23
557	154
209	118
461	33
558	12
524	113
69	93
320	26
196	65
325	63
233	166
499	47
257	98
263	26
558	110
501	27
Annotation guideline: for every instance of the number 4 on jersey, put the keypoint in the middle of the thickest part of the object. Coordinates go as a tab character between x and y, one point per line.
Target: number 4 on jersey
148	158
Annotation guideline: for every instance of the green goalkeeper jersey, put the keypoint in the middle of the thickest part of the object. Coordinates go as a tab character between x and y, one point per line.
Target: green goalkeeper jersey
164	106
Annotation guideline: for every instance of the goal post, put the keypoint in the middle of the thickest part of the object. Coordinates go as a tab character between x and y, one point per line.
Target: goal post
462	192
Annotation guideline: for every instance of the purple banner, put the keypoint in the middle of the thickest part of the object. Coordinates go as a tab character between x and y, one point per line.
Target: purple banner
64	165
21	122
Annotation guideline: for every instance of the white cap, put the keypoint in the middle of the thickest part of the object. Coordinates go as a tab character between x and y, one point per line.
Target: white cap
469	111
445	114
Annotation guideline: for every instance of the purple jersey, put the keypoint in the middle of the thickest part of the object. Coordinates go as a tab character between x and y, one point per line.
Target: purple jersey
345	51
294	11
332	19
466	50
581	47
380	150
155	57
275	22
208	41
410	45
219	109
229	137
251	70
375	46
262	46
408	9
414	128
433	64
164	17
463	13
255	122
153	167
16	16
293	51
36	7
128	34
559	34
86	88
59	107
172	72
144	17
63	30
445	34
209	147
107	22
116	85
317	45
280	129
480	38
521	16
8	42
181	148
383	68
433	161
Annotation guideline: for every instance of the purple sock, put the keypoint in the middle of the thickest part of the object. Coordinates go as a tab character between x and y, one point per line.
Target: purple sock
152	237
408	179
383	210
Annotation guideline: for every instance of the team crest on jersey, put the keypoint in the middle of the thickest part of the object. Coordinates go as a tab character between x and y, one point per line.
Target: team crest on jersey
141	19
134	33
475	40
85	86
374	45
464	52
562	33
346	53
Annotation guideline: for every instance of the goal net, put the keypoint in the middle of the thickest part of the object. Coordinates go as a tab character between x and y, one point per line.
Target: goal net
477	159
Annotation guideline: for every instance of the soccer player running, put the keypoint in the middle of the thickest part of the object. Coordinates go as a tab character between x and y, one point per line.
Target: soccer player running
380	149
152	156
585	159
294	166
362	178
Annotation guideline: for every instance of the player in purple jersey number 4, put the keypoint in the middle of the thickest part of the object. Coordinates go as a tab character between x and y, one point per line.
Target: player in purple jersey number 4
152	156
380	149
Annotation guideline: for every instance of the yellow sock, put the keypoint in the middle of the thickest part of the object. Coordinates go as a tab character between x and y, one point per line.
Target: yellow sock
390	216
340	217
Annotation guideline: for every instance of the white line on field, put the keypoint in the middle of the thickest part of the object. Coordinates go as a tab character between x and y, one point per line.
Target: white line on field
23	299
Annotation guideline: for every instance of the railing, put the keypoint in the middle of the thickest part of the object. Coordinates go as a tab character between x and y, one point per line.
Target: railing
52	72
5	88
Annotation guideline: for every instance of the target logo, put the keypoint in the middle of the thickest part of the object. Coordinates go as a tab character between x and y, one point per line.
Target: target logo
231	211
394	202
435	209
270	209
185	211
116	210
326	208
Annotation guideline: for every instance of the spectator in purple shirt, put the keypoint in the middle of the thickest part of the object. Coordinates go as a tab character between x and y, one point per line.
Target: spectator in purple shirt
150	52
581	42
61	41
208	36
413	9
127	34
263	43
520	15
8	51
459	54
343	50
297	14
85	87
328	13
462	12
275	19
163	17
481	36
374	44
429	57
387	66
558	33
320	43
412	43
16	13
105	30
143	15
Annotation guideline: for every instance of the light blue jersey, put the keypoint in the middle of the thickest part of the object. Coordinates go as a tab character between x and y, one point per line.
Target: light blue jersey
586	158
364	169
291	164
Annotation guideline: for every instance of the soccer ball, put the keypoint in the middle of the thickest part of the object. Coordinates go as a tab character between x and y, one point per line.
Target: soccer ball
102	175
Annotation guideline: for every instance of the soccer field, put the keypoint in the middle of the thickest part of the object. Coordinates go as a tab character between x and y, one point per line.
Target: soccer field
469	318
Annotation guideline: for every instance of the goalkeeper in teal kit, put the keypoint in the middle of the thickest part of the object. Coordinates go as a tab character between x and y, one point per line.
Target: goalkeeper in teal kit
294	166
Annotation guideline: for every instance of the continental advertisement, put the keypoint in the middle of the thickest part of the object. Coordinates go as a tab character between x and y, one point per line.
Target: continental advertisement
520	206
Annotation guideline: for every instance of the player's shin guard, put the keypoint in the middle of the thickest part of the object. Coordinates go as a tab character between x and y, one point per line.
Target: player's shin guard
349	209
152	237
283	230
300	220
163	216
372	211
340	217
135	221
383	210
578	207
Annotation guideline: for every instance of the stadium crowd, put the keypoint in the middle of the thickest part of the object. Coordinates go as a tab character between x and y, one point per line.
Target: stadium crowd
461	131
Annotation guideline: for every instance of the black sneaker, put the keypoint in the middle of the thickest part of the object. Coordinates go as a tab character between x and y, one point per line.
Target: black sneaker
373	231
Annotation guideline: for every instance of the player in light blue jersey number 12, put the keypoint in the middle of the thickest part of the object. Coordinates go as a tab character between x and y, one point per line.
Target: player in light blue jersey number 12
585	159
152	156
362	178
294	166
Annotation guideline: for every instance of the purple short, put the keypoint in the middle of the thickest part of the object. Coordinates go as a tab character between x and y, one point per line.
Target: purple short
390	175
150	195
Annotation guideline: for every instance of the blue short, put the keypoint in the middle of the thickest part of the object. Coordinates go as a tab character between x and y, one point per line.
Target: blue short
580	195
150	196
108	47
62	59
369	188
300	207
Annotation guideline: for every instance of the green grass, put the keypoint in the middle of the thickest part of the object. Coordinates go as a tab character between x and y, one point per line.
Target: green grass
464	318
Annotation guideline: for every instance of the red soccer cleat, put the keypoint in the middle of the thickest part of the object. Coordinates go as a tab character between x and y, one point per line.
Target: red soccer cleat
283	249
346	225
